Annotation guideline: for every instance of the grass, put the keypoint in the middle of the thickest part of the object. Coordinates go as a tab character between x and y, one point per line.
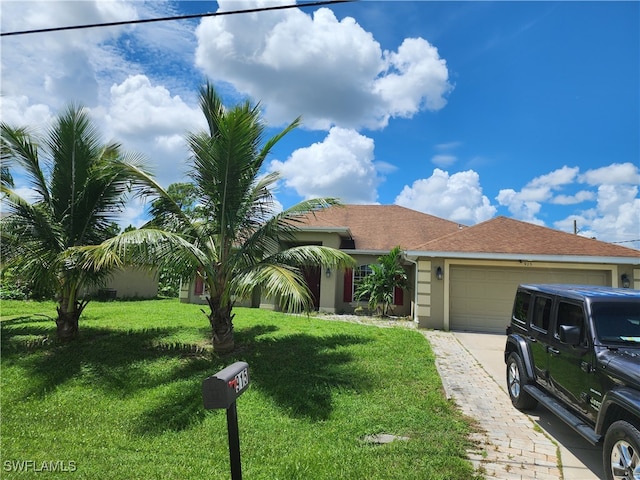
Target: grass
125	400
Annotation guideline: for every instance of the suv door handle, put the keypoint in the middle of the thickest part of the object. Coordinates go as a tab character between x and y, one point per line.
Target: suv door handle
532	339
586	367
555	351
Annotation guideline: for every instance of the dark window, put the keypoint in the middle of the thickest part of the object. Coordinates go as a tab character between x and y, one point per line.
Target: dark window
541	313
572	315
359	274
521	307
617	321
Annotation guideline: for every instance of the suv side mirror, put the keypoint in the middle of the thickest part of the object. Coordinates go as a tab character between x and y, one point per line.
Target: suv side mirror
570	334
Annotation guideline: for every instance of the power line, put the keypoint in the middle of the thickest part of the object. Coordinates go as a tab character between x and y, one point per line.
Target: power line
177	17
628	241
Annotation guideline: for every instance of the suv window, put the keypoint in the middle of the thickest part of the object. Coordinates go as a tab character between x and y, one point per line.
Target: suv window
617	322
521	307
541	313
572	315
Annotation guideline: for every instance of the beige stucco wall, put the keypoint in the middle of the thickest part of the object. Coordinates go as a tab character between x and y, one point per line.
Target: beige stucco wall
132	283
432	308
429	310
632	273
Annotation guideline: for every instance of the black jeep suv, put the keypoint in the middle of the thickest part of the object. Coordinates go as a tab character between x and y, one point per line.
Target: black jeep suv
576	350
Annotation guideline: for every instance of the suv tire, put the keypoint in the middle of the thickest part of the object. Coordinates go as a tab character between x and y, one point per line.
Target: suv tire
516	379
621	452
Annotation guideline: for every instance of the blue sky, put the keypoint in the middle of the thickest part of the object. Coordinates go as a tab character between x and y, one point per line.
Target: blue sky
464	110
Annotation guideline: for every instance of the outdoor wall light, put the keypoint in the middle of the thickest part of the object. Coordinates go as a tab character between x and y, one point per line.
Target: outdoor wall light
328	272
439	273
624	278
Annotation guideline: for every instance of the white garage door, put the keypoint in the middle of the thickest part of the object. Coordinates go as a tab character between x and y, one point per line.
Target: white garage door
481	298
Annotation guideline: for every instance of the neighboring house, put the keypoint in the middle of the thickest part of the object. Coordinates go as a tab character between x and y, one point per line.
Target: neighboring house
129	283
461	277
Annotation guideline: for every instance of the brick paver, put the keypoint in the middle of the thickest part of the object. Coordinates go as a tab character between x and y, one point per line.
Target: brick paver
508	447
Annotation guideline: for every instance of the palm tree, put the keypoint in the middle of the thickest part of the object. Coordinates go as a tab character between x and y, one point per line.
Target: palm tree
386	275
236	241
79	184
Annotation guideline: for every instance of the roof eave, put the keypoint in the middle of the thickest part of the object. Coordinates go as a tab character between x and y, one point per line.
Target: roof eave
356	251
525	257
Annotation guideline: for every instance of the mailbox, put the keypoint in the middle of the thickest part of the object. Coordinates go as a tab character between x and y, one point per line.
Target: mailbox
222	389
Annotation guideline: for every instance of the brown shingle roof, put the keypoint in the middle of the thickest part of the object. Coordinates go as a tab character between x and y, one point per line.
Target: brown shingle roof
506	235
382	227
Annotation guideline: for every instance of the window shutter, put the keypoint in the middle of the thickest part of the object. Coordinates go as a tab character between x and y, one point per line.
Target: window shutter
398	296
348	285
199	290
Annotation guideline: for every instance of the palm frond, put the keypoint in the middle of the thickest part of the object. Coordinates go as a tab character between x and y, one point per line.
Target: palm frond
283	283
20	146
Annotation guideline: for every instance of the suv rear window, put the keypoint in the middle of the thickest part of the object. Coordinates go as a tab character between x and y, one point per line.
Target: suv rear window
541	313
521	307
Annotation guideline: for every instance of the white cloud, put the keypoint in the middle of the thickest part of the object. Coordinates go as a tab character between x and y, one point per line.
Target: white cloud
139	108
443	160
147	119
448	146
555	179
59	68
337	74
519	206
526	204
615	215
416	77
457	197
621	223
17	111
579	197
133	213
340	166
614	174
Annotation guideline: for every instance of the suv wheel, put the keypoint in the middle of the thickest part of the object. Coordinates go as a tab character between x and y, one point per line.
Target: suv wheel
516	379
621	452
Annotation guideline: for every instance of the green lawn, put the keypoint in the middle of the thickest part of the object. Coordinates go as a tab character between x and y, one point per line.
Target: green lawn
125	401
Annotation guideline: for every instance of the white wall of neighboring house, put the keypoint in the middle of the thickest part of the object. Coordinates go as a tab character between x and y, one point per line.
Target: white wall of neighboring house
130	283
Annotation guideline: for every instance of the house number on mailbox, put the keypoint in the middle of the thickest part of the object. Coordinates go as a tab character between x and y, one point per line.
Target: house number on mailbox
240	380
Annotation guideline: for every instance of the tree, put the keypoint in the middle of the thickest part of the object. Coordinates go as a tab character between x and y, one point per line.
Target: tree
79	184
185	196
237	241
378	287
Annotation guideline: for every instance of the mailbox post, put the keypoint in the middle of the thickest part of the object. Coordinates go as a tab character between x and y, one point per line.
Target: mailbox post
221	391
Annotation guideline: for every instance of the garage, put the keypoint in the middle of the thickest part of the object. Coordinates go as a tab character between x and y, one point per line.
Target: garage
481	297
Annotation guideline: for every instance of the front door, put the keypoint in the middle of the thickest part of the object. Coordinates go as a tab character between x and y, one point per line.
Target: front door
312	278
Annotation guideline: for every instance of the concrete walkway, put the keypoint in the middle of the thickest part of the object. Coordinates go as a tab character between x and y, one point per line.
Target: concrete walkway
511	444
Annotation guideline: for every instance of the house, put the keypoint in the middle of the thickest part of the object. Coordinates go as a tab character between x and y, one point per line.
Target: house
461	277
128	283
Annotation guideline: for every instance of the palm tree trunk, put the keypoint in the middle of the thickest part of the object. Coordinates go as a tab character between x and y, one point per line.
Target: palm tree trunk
67	324
221	322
